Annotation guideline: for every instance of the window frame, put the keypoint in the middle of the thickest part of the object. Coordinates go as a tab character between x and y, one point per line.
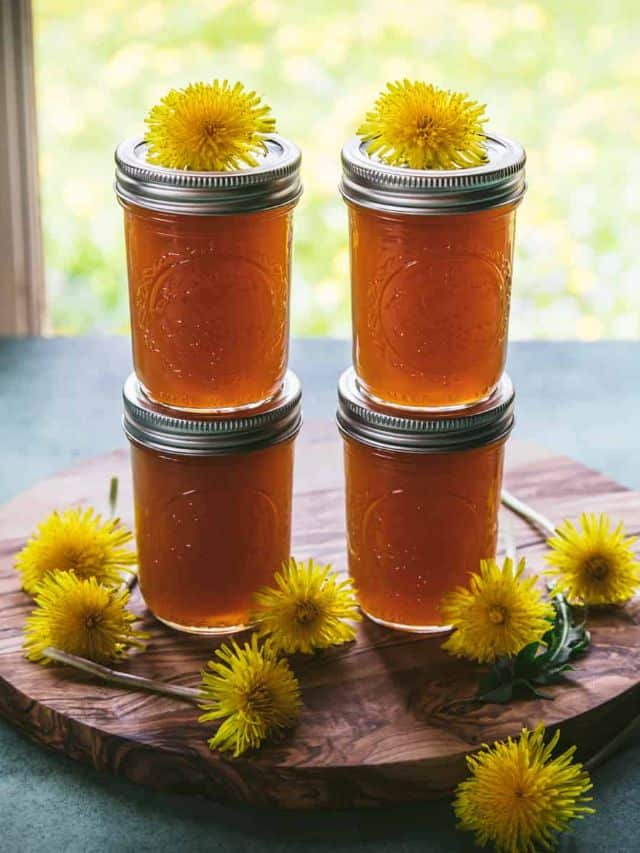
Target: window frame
22	295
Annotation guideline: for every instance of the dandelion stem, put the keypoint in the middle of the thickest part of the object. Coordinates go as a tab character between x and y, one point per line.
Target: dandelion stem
132	581
125	679
616	743
510	547
114	486
113	495
528	513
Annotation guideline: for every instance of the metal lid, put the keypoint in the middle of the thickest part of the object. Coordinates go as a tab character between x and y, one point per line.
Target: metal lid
372	424
273	183
187	434
369	182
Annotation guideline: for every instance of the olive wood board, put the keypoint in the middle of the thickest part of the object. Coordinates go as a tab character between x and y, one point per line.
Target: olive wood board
374	729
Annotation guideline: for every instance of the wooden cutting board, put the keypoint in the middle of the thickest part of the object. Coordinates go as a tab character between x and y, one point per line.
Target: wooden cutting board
374	729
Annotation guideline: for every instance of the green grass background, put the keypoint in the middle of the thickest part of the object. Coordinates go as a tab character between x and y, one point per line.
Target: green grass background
561	76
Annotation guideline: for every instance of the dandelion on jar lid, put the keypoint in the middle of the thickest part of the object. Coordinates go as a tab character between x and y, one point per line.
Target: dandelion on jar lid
209	149
424	150
422	127
208	127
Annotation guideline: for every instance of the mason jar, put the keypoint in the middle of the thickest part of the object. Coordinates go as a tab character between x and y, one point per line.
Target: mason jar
422	500
212	497
431	267
209	262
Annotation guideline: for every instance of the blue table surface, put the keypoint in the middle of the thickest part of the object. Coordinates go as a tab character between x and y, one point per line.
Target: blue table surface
60	403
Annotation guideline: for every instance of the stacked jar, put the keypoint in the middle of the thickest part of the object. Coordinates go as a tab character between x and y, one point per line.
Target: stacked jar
426	409
211	410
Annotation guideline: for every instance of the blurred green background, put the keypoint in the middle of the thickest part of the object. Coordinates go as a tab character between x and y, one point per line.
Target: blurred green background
562	77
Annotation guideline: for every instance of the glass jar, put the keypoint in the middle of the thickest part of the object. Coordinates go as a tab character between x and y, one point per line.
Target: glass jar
431	263
422	500
209	260
212	498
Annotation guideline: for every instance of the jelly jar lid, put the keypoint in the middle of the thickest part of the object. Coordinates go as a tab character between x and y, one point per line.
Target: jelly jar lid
369	182
187	434
274	182
388	429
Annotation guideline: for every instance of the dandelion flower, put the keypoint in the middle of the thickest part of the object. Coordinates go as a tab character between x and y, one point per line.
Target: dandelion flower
518	797
306	608
253	691
79	541
419	126
498	614
81	617
208	127
595	564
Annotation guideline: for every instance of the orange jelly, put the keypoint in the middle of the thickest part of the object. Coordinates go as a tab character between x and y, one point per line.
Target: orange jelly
209	260
212	505
422	500
430	301
431	265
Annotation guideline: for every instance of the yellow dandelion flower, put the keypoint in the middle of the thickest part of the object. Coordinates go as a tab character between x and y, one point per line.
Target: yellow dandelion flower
81	617
518	797
419	126
498	614
306	608
208	127
79	541
595	564
253	691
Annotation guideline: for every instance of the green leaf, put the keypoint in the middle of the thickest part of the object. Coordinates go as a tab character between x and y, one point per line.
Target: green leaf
524	689
499	695
524	664
537	664
501	672
527	655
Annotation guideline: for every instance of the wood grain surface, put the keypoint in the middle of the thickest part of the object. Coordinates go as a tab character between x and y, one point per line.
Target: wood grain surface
374	729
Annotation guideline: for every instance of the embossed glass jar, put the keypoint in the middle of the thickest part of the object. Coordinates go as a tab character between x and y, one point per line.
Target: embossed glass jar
431	261
212	498
209	257
422	500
